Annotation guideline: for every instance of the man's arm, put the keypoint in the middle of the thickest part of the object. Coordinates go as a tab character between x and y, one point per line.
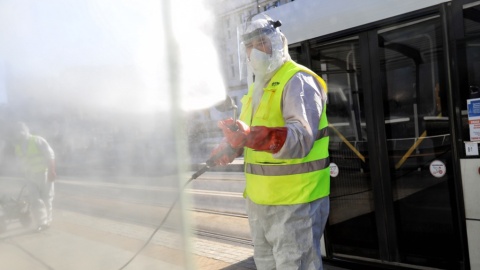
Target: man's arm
302	104
303	101
49	155
52	174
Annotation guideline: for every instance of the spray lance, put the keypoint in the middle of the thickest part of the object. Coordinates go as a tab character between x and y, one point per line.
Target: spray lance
227	105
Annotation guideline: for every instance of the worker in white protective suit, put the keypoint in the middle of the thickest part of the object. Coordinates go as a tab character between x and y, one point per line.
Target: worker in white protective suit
282	131
37	161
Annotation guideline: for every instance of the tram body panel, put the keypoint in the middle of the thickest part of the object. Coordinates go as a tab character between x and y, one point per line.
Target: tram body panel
319	18
471	190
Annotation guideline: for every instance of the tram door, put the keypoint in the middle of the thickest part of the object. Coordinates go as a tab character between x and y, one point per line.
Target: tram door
390	146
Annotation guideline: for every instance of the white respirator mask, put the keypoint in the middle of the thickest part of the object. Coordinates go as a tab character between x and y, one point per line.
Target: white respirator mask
259	62
272	55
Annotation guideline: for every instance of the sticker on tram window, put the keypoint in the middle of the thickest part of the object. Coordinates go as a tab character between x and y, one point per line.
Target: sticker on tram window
333	170
438	168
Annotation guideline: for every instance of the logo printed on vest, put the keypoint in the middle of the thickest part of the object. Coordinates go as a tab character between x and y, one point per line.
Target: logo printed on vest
275	83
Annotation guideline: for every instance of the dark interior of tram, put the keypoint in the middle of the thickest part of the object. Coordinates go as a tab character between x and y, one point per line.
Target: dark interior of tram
415	110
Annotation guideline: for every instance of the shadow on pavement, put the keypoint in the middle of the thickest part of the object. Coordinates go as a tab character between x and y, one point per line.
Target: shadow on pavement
243	265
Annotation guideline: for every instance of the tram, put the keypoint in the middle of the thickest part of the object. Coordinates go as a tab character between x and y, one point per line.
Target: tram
405	163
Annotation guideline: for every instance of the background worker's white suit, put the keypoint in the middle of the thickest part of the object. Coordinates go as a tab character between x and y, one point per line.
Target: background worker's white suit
37	160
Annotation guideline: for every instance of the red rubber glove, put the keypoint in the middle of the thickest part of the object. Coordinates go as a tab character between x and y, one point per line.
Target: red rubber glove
266	139
238	138
226	158
259	138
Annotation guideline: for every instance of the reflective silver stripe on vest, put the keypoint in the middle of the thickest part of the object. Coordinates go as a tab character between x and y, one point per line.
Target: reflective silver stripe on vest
321	133
287	169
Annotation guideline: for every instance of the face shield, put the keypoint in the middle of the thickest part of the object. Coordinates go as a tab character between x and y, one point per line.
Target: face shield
261	48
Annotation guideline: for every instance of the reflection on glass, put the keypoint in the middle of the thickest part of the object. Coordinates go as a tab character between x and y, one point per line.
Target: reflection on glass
94	79
352	228
417	135
469	50
471	23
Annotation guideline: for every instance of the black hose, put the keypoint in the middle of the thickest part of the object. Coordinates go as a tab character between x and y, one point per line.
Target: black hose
164	219
210	163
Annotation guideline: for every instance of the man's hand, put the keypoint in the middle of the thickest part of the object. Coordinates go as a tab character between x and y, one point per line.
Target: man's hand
235	133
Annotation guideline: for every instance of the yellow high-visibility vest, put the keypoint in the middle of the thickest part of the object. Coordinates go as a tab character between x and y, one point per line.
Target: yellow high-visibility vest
271	181
33	160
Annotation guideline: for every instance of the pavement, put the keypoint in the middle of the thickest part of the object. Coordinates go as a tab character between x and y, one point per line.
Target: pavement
80	241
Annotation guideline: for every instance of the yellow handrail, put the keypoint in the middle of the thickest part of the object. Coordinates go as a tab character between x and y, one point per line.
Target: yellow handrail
359	155
412	148
410	151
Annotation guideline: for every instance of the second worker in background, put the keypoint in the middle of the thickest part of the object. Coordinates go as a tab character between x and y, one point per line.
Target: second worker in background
283	134
37	161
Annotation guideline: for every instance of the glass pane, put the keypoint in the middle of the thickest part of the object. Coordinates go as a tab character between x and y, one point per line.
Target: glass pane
351	229
418	140
297	55
471	20
471	49
473	66
92	82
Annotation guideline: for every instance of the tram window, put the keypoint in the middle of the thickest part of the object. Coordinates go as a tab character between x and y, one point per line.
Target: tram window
297	55
472	20
472	31
471	47
338	65
473	64
410	62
